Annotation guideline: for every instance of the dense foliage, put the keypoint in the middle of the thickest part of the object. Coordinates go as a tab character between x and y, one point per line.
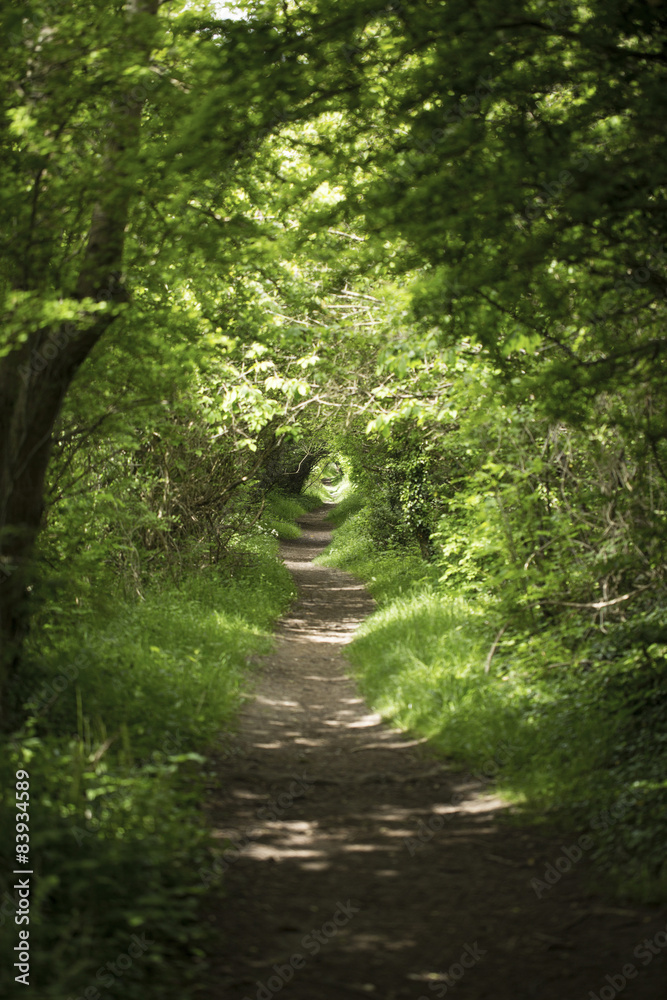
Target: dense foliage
425	238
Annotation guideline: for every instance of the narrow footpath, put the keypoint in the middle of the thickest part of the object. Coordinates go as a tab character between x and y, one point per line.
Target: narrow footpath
362	866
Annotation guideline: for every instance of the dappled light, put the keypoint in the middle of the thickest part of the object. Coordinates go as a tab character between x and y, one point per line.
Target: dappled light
333	499
359	850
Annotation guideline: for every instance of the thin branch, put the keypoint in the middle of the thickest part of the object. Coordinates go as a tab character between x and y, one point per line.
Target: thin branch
487	664
358	295
598	605
348	236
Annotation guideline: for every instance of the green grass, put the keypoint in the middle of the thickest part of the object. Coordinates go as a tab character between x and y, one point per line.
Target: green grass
388	573
563	742
282	510
422	659
122	711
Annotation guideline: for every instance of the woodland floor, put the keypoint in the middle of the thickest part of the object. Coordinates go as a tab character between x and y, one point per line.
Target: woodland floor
326	901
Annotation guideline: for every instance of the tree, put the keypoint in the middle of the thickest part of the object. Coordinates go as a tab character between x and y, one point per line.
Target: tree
518	151
512	170
125	187
62	273
173	168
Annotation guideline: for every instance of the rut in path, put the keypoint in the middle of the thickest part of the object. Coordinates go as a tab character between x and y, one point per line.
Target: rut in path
364	867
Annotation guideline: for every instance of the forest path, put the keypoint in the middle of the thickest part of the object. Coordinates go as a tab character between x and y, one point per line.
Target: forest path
338	889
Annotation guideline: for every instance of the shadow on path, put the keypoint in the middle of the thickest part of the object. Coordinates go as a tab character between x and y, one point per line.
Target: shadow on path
364	867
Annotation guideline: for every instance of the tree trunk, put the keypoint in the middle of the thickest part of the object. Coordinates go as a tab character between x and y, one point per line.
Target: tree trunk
423	536
35	377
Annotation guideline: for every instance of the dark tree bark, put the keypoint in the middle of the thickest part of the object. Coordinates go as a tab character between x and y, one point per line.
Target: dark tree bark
35	377
423	536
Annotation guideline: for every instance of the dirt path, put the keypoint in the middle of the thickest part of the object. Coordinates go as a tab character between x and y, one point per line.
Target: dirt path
337	887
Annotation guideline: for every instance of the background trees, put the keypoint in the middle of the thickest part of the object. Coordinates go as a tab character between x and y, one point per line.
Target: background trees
505	165
128	136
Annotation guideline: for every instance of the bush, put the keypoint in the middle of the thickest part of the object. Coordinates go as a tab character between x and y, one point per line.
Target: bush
565	736
121	713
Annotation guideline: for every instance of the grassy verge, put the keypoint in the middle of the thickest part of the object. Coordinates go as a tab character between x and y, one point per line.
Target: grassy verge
283	510
122	709
568	741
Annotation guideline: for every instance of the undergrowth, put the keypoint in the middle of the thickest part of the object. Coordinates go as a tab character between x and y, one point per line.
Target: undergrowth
570	737
282	511
119	710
